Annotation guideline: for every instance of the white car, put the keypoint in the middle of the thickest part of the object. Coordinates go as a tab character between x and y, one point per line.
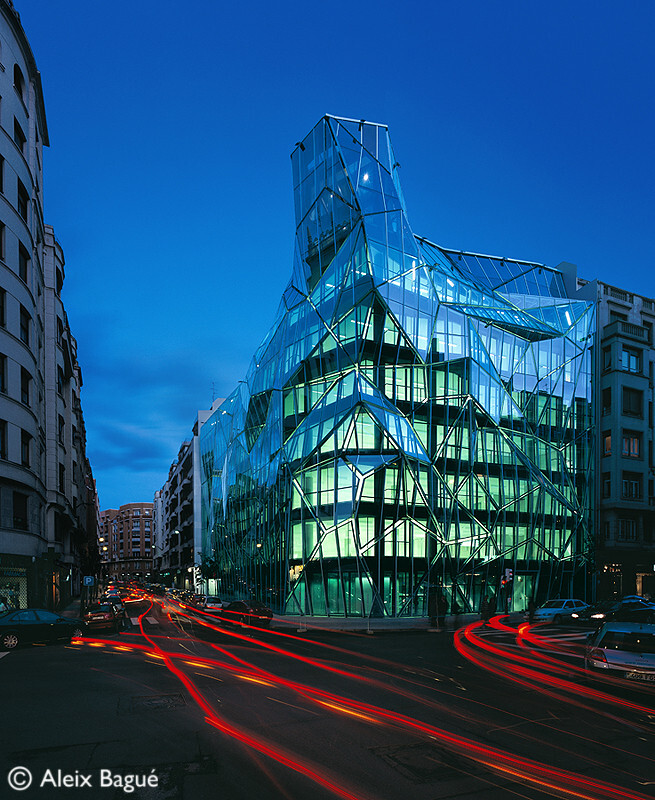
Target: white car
558	610
624	649
212	603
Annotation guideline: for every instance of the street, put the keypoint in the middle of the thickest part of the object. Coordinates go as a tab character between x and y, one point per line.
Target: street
237	713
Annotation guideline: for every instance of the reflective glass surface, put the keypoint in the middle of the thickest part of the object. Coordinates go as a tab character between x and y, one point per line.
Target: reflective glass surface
416	420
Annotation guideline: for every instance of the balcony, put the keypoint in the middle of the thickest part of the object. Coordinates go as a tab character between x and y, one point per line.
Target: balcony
618	294
626	330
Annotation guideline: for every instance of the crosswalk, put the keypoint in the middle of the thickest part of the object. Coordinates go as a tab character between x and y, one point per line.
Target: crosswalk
151	620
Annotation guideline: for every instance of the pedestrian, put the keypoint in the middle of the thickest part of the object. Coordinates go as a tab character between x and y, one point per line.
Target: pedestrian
442	610
485	611
531	609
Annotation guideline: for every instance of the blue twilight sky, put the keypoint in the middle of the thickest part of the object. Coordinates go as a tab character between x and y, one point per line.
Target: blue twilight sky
523	129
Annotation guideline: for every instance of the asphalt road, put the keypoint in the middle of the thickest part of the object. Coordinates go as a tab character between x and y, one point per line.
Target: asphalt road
239	714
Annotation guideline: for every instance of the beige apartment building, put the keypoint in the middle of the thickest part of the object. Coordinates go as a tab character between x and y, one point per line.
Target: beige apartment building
125	542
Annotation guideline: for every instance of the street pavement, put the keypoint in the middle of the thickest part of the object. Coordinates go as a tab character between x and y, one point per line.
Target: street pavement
243	714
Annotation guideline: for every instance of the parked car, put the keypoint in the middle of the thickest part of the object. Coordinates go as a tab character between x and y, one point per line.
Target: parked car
624	649
252	613
103	615
212	603
646	615
36	625
116	601
558	610
607	610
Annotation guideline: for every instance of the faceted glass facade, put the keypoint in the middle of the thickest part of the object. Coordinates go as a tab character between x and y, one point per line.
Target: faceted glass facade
416	417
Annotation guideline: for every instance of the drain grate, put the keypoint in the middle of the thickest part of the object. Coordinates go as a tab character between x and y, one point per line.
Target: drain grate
423	762
150	702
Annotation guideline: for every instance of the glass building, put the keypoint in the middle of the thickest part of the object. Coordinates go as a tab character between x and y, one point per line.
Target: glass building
417	419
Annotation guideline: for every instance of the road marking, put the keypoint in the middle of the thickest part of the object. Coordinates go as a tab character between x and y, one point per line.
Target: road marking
291	705
3	654
151	620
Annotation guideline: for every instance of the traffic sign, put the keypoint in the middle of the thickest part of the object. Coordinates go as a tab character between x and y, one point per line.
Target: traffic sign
89	580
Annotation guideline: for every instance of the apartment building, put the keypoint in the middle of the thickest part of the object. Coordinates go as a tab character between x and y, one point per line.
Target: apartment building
125	542
625	557
178	516
47	492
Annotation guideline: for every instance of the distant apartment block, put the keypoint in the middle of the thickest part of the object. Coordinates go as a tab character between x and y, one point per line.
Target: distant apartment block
125	541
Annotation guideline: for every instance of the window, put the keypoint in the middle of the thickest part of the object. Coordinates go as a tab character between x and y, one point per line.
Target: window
2	241
25	381
62	479
60	331
19	82
2	174
60	381
20	511
627	530
631	444
3	438
19	137
607	484
3	308
631	486
23	263
23	200
3	373
25	325
630	360
607	443
60	430
25	447
632	402
607	358
606	401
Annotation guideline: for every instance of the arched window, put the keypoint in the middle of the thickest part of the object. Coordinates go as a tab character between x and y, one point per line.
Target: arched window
19	82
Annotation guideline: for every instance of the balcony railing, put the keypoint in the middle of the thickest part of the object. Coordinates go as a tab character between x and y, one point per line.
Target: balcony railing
627	329
618	294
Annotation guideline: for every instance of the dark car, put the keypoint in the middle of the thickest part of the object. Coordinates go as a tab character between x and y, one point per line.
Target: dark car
102	615
252	613
607	610
36	625
645	615
115	601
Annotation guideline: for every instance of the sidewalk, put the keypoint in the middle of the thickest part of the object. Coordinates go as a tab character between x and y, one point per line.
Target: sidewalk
73	609
376	624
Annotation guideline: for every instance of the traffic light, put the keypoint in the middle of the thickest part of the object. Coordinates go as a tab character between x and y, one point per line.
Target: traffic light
509	575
